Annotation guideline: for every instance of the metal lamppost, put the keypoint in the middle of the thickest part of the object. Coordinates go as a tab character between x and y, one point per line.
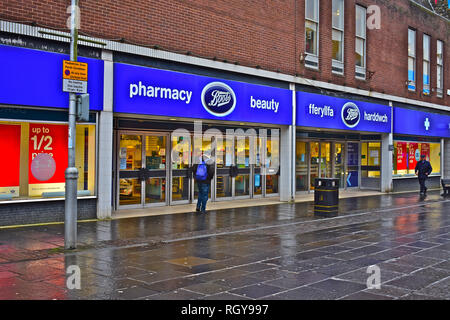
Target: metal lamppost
70	222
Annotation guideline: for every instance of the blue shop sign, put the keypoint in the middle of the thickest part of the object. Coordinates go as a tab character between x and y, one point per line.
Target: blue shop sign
142	90
315	110
34	78
419	123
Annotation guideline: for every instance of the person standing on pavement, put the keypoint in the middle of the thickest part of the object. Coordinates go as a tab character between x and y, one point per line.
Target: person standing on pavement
203	174
423	170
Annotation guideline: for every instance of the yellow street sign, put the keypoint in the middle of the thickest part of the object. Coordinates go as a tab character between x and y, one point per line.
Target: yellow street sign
75	70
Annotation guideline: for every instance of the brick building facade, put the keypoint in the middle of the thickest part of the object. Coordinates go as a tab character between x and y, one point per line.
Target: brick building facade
256	51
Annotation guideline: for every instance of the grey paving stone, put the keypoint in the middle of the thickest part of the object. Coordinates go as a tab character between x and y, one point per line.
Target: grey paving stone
439	289
368	250
432	273
415	296
390	291
308	293
414	260
445	247
303	278
132	293
423	244
238	281
411	282
400	268
443	265
336	269
364	261
434	253
361	276
170	285
207	288
225	296
356	244
254	267
317	262
347	255
257	291
340	287
271	274
159	276
362	295
310	254
179	294
335	249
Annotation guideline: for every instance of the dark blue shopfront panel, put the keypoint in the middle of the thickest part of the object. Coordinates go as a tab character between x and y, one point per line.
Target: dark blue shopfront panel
34	78
319	111
413	122
142	90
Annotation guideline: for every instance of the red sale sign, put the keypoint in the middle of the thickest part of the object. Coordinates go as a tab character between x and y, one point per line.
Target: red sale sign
10	159
413	155
425	149
401	156
48	156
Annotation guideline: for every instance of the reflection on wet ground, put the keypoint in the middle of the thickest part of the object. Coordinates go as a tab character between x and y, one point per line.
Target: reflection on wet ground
271	252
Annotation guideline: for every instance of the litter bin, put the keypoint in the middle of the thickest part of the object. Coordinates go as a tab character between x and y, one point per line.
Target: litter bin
326	197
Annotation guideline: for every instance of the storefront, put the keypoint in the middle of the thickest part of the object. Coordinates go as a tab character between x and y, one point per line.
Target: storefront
418	133
34	135
339	138
165	120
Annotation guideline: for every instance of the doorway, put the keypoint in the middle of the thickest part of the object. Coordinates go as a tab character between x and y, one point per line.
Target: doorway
142	168
154	168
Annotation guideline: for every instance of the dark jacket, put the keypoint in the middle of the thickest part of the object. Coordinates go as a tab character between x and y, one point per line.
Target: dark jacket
210	169
423	169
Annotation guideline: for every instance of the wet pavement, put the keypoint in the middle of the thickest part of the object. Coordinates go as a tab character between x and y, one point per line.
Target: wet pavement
269	252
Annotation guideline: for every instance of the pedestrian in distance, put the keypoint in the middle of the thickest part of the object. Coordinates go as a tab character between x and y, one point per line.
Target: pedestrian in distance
203	174
423	170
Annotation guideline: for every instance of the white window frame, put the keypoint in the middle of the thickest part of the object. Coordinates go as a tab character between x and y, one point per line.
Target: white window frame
426	88
411	84
360	71
440	66
312	60
338	66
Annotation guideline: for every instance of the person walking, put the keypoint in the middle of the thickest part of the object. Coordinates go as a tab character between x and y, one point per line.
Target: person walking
423	170
203	174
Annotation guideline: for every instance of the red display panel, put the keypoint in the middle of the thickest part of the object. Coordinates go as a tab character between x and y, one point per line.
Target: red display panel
425	149
10	158
48	158
414	155
401	156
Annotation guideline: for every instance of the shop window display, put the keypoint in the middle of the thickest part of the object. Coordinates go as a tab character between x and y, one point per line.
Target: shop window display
38	157
407	154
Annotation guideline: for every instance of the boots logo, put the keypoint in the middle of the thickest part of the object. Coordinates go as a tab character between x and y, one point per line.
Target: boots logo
350	114
218	99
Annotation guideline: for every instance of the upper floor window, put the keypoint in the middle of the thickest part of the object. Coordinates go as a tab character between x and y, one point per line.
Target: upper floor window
426	64
360	45
312	33
411	59
338	36
440	69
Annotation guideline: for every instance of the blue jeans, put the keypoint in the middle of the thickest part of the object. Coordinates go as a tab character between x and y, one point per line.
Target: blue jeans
203	190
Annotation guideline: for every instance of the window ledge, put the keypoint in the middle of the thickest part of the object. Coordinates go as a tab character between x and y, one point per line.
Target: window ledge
42	200
415	177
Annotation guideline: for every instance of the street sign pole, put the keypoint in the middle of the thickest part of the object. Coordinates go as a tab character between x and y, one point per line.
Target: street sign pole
70	222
